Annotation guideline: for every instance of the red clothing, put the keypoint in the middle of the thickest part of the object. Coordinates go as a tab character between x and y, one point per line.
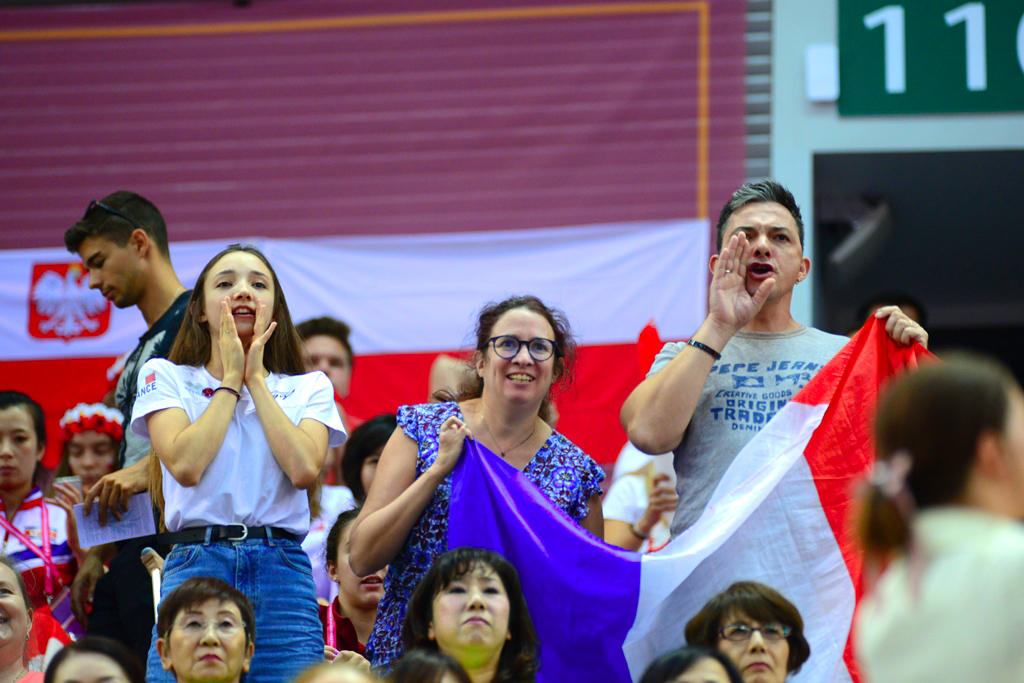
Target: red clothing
46	633
344	630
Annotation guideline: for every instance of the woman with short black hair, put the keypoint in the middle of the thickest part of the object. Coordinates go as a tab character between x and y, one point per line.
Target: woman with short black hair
470	605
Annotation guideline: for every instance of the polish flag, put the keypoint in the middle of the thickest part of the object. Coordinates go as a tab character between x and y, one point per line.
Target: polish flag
780	516
409	298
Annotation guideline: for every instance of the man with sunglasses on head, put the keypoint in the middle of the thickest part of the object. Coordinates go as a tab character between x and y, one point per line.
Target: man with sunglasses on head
122	241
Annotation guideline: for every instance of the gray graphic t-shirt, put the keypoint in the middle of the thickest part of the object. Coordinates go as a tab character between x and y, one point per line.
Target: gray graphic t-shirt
758	373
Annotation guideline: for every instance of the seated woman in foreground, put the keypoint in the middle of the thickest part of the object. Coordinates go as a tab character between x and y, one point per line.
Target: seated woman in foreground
761	631
470	606
946	500
206	630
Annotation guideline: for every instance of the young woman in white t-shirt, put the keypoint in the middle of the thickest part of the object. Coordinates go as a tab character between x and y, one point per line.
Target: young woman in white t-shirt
240	433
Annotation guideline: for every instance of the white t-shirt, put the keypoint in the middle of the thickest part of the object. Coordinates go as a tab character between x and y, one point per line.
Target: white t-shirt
626	501
243	484
953	611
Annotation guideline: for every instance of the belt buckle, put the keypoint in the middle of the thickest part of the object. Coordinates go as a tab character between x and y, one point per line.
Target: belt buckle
245	532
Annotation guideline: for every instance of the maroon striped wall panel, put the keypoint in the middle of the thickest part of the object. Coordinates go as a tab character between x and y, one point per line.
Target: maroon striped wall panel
296	117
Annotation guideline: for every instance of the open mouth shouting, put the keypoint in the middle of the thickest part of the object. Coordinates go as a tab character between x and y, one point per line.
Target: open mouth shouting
760	271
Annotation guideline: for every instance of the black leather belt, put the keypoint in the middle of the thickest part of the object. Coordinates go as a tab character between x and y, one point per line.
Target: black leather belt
226	532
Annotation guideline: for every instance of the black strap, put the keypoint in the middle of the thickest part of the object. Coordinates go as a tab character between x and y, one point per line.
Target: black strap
225	533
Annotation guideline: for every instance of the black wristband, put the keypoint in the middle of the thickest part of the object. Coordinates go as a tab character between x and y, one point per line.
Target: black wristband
237	395
705	348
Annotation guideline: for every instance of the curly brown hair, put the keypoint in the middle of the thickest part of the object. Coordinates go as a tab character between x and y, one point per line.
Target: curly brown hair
565	347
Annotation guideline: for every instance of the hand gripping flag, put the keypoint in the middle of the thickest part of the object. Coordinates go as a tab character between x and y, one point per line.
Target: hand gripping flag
780	515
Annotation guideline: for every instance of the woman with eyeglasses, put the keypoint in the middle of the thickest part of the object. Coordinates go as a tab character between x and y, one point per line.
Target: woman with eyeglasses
523	348
761	631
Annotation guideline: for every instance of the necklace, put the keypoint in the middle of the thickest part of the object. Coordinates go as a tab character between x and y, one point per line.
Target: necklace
495	439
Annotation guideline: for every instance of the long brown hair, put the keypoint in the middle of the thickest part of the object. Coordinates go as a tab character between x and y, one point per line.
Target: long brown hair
193	345
933	416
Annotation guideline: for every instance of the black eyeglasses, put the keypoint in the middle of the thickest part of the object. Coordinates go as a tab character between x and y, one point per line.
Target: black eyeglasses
94	204
507	347
740	632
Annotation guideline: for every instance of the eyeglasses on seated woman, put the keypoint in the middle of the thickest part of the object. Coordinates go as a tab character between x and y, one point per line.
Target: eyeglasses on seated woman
756	627
207	631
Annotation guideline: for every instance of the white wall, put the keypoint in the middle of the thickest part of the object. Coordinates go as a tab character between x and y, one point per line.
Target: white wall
801	128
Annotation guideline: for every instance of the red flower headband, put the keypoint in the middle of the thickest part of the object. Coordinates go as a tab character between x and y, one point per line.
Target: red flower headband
92	417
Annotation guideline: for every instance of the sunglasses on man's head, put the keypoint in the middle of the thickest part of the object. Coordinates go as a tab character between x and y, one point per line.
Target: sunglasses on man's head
95	204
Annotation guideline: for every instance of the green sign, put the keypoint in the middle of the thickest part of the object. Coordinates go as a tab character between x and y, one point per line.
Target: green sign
930	56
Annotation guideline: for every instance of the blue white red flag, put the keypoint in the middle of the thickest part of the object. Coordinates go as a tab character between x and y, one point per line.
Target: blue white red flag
780	516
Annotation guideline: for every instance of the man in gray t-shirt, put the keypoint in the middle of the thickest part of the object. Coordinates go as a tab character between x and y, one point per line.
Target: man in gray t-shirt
705	398
758	373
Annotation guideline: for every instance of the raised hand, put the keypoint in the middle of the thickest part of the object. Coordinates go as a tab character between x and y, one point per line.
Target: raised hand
262	330
232	354
66	495
662	499
451	437
731	306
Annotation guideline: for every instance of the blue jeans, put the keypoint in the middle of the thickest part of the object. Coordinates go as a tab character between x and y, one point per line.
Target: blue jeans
275	575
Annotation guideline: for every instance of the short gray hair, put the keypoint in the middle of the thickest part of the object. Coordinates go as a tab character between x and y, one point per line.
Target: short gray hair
765	190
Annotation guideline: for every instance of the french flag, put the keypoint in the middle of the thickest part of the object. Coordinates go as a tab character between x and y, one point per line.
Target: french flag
780	515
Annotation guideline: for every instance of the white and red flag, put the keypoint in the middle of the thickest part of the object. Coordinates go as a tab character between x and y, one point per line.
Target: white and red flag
406	297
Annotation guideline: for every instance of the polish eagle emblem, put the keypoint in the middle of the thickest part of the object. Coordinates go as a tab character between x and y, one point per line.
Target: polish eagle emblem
63	306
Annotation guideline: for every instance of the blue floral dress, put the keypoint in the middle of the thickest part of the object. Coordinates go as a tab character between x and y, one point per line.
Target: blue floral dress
563	472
